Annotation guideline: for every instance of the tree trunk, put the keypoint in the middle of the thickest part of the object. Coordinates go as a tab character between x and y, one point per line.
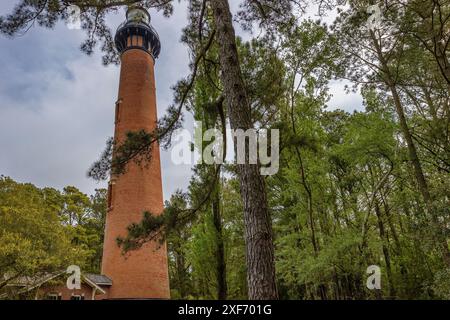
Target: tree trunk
181	274
387	256
414	158
420	177
220	251
258	224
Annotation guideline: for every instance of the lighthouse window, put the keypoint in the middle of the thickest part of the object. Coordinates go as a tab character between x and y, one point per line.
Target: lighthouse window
137	15
118	110
135	41
139	41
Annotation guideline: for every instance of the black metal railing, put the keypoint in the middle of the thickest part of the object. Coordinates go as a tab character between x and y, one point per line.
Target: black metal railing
151	42
137	24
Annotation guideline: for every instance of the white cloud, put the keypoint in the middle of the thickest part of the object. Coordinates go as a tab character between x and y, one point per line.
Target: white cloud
57	105
342	100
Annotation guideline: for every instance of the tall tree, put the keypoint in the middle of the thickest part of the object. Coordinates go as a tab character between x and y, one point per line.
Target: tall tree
33	240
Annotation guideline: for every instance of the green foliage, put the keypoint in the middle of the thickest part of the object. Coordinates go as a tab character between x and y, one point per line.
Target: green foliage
44	231
346	196
441	285
353	190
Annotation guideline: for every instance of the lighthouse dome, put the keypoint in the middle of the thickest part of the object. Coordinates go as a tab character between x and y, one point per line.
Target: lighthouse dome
136	32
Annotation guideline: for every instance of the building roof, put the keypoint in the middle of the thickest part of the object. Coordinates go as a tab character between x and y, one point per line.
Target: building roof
99	279
28	283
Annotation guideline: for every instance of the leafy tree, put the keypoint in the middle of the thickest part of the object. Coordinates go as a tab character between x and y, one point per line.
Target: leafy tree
354	189
33	242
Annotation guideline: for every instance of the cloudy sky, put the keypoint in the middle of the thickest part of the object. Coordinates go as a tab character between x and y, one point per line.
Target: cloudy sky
57	104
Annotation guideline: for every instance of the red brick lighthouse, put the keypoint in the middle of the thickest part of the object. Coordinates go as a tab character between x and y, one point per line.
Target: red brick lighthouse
141	274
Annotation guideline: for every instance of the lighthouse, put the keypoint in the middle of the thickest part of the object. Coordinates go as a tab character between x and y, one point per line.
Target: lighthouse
143	273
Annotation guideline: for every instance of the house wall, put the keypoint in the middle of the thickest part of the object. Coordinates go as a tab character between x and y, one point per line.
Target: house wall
66	293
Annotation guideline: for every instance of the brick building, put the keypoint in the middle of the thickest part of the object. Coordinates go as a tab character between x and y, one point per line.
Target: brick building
142	274
53	286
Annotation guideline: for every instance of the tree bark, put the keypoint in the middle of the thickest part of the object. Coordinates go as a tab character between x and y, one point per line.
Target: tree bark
387	256
420	177
258	224
414	158
220	250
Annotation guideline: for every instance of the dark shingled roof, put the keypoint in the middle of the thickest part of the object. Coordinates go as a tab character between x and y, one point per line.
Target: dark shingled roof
99	279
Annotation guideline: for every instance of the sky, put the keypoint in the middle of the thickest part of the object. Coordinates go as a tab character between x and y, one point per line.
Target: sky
57	104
